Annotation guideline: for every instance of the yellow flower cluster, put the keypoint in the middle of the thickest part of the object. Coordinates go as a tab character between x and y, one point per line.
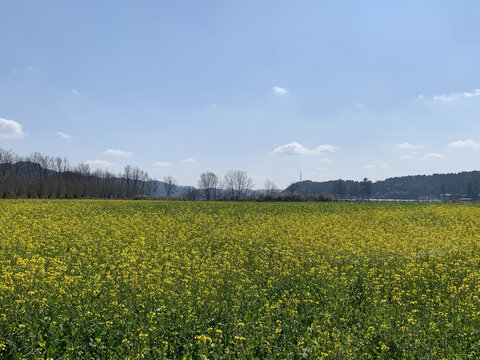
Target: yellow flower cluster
189	280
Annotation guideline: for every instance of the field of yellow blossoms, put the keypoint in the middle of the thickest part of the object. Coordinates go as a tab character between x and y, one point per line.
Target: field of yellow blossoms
199	280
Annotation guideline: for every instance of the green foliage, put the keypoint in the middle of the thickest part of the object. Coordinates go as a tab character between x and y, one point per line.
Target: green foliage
418	187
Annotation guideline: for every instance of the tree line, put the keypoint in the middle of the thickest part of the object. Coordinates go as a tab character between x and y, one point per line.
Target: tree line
233	186
449	187
357	190
236	185
41	176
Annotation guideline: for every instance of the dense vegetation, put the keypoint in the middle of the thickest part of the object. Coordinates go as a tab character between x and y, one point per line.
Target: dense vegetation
221	280
415	187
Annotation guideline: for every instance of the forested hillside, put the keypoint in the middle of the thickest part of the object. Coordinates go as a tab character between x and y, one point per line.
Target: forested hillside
415	187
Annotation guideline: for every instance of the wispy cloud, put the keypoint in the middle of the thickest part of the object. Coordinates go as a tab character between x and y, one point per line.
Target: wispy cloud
117	152
469	143
10	129
456	96
405	157
99	163
279	90
376	165
163	163
432	156
76	92
358	105
63	135
410	147
189	160
295	148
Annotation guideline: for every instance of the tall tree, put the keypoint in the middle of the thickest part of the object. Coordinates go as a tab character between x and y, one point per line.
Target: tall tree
237	182
339	189
170	184
46	177
472	190
443	193
366	188
269	186
208	184
354	191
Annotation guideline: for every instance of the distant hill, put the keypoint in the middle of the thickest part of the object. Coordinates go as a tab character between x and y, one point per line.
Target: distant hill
180	190
30	179
414	187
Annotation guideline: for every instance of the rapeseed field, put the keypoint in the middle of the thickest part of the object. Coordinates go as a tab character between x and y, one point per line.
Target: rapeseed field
199	280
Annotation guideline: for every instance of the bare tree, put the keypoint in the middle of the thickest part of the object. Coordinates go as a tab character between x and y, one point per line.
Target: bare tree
83	169
152	187
127	176
269	186
7	156
170	185
208	184
61	165
191	194
139	178
237	182
45	177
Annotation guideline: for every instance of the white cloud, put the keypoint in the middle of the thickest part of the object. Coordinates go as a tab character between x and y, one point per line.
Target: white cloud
456	96
279	90
117	152
189	160
76	92
295	148
408	146
375	165
63	135
469	143
405	157
358	105
10	129
420	97
432	156
99	163
323	148
326	160
163	163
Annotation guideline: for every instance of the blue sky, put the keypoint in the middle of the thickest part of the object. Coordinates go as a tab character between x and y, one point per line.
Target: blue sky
333	89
